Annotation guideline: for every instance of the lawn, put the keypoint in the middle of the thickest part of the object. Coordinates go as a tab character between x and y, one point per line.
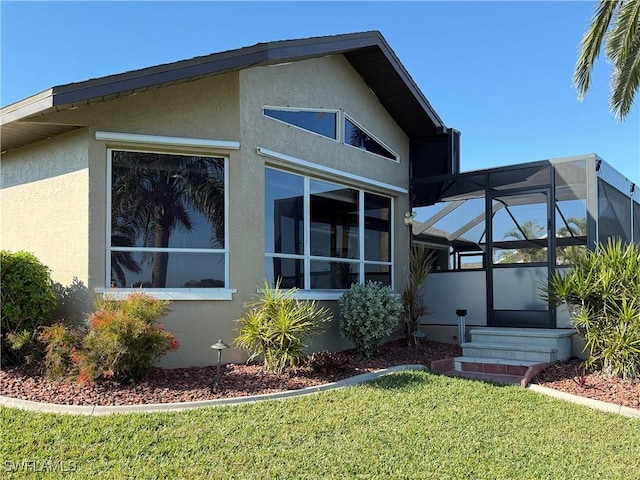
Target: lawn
408	425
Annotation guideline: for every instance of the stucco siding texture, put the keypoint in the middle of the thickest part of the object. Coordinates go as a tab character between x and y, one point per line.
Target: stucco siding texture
202	109
69	195
325	83
44	204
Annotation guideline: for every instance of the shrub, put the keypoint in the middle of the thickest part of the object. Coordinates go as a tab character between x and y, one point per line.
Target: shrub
121	342
368	314
602	290
327	362
276	326
125	339
27	301
61	345
421	264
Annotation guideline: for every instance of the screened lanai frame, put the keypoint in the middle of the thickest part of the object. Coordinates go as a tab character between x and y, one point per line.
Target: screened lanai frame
539	212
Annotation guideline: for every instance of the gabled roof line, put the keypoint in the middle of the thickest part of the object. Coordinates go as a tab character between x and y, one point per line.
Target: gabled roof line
260	54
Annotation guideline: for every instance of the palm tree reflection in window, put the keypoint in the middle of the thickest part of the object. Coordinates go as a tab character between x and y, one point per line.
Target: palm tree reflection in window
528	231
156	195
359	138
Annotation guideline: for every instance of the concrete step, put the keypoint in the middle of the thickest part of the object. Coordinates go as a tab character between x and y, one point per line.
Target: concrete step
524	339
492	365
497	370
528	353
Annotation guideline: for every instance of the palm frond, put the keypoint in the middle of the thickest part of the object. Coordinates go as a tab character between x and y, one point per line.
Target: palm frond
623	35
625	82
591	44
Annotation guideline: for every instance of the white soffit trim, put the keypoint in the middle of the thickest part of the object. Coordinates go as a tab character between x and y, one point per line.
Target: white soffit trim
334	171
162	140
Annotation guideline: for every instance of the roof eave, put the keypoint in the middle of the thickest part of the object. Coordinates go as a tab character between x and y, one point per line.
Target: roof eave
261	54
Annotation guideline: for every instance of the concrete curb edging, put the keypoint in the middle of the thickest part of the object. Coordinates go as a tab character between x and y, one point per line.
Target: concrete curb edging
97	410
588	402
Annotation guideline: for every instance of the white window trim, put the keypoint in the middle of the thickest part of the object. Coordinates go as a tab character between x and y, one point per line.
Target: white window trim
341	117
168	293
307	258
359	125
156	140
171	294
313	294
334	172
302	109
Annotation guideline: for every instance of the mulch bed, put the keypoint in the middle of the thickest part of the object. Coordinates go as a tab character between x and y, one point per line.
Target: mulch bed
570	377
239	380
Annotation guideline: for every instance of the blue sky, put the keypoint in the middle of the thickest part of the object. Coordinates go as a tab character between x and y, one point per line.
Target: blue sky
500	72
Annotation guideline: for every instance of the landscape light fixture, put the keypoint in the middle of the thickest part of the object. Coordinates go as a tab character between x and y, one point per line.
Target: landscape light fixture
462	314
219	346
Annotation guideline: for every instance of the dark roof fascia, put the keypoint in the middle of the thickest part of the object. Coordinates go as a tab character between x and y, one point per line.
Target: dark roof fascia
256	55
408	80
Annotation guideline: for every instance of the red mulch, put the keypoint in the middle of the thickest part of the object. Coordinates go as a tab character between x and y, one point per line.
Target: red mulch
570	377
238	380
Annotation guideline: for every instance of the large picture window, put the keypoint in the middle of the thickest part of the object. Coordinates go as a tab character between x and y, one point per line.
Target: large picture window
324	236
167	227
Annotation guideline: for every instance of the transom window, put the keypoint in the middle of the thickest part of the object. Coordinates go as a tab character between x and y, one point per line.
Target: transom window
322	122
357	137
324	236
332	124
167	227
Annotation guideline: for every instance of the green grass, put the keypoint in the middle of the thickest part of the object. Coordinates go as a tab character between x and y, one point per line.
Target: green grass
407	425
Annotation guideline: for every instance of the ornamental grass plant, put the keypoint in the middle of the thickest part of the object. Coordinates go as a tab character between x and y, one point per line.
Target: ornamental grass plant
276	327
602	292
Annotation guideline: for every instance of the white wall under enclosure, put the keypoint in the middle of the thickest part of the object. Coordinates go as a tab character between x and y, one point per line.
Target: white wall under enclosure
446	292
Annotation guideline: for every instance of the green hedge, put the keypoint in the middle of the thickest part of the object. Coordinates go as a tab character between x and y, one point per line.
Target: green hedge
27	301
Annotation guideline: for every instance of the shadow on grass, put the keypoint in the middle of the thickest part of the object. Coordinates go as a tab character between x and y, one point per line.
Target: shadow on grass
408	378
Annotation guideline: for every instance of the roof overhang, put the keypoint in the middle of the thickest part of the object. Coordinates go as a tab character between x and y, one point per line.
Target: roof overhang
367	52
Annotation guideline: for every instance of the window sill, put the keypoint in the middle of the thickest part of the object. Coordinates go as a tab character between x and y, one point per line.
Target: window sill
177	294
315	294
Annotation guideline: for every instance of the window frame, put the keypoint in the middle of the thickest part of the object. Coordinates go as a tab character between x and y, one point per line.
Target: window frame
346	117
338	133
341	118
171	293
307	293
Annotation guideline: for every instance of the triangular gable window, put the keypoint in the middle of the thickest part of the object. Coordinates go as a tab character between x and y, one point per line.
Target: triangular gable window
316	121
357	137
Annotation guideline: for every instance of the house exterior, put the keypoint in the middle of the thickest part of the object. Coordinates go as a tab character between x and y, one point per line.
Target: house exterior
198	180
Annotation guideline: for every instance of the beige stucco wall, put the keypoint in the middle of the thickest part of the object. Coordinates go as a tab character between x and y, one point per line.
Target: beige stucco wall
229	107
329	83
44	204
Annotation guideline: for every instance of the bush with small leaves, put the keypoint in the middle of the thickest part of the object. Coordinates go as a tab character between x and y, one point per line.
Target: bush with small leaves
368	315
27	301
